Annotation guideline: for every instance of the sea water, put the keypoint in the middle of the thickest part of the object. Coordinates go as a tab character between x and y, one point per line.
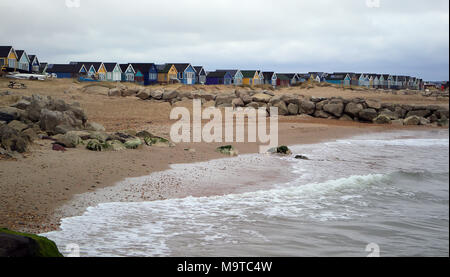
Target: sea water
383	194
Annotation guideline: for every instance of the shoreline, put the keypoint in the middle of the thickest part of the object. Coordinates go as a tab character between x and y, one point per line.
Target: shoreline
38	207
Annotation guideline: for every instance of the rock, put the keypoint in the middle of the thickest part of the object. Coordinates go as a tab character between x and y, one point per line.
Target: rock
419	113
38	103
346	117
84	135
442	113
22	104
227	150
17	125
373	104
3	123
143	94
246	98
353	109
96	127
22	245
290	99
133	143
12	140
68	140
224	100
284	150
301	157
100	136
130	92
203	95
282	108
269	93
319	106
58	147
30	134
144	134
424	121
293	109
382	119
275	100
398	122
390	114
443	122
237	102
116	145
169	95
9	114
321	114
158	142
334	108
49	120
412	121
368	114
253	105
114	92
307	107
95	145
157	94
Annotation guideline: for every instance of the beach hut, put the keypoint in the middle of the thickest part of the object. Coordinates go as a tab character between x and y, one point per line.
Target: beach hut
146	73
270	78
303	77
96	70
113	72
282	80
261	78
219	78
343	79
128	72
186	73
293	79
43	68
167	74
23	61
8	58
250	77
200	76
237	76
34	64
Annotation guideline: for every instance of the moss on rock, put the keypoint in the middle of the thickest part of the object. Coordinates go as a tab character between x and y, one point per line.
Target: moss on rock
45	247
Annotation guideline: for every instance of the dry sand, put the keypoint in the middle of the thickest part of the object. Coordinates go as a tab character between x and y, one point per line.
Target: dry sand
32	188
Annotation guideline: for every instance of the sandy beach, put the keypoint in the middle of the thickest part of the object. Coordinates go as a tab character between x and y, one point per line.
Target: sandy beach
35	187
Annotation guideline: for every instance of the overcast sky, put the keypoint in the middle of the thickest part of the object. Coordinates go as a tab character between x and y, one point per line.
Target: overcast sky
408	37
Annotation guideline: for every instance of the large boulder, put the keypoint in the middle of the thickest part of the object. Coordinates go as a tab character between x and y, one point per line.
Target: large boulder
12	140
412	121
282	108
114	92
368	114
335	108
419	113
293	109
224	100
237	102
321	114
9	114
390	114
157	94
37	104
373	104
307	107
18	125
143	94
290	99
130	92
353	109
382	119
68	140
169	95
22	104
96	127
50	120
22	245
261	97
